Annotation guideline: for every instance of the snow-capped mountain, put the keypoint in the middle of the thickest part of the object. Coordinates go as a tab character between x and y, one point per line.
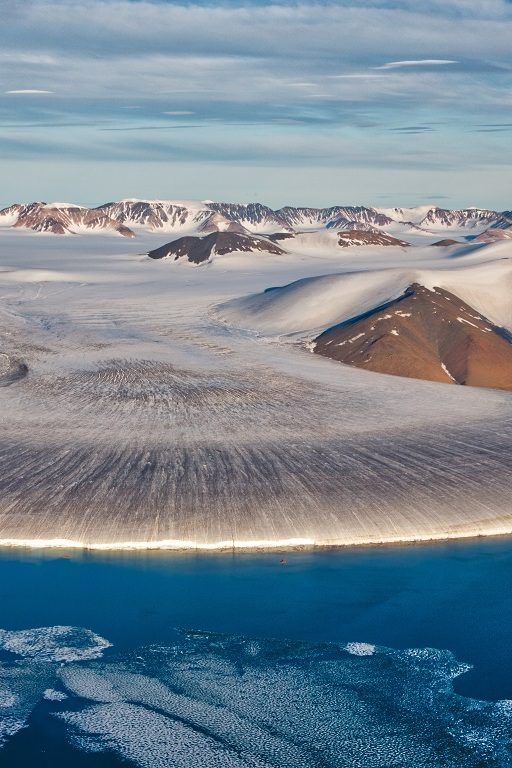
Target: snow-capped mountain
157	215
216	222
255	217
466	218
190	217
260	218
61	219
360	215
504	221
411	215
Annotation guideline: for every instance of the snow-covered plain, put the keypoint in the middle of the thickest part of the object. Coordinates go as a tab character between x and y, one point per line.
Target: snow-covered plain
161	409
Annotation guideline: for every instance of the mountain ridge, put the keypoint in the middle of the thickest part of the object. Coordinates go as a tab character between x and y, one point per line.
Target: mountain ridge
126	217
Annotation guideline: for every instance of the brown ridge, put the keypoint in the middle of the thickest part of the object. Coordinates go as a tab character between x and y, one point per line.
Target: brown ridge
424	334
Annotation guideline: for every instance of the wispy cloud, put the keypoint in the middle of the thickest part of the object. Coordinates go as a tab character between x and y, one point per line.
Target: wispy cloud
29	91
266	80
137	128
302	85
23	57
412	129
406	64
357	76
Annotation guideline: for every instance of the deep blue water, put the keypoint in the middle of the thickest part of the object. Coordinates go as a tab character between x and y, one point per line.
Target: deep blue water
453	596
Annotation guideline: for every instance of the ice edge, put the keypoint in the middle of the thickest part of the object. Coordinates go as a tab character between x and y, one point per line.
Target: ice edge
256	544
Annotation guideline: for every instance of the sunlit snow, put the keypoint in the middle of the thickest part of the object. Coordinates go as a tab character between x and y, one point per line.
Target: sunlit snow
166	405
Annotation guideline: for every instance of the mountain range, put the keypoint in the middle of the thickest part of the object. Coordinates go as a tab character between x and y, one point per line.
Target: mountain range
200	218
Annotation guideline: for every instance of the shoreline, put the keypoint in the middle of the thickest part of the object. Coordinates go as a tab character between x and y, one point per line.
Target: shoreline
249	546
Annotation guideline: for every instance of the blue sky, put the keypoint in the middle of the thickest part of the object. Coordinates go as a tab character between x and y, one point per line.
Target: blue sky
303	103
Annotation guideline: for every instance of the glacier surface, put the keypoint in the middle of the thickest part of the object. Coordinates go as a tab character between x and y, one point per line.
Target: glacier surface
149	404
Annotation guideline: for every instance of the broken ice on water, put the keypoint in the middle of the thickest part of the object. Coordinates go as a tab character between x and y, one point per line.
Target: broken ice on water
216	700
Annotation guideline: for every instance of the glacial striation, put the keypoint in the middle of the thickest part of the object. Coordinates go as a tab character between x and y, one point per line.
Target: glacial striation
164	407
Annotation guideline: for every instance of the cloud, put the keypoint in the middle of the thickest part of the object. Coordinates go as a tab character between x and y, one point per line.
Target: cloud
22	57
412	129
268	81
416	63
150	127
28	91
494	129
356	76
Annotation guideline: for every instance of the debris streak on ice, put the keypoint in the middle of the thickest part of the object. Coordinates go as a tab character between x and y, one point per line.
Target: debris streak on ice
145	404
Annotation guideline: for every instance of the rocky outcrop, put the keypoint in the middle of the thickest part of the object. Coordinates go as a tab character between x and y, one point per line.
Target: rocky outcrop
424	334
201	249
349	237
492	234
445	242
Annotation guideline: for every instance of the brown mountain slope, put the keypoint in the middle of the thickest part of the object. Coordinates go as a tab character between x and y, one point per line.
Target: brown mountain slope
424	334
493	234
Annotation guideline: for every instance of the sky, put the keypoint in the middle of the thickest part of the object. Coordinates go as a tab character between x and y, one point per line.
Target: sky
377	102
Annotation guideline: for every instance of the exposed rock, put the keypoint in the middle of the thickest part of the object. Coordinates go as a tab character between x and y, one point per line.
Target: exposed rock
492	234
424	334
216	222
165	215
445	242
192	217
201	249
62	219
278	236
466	218
348	237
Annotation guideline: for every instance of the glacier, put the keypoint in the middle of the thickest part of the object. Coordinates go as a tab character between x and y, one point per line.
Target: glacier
159	408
